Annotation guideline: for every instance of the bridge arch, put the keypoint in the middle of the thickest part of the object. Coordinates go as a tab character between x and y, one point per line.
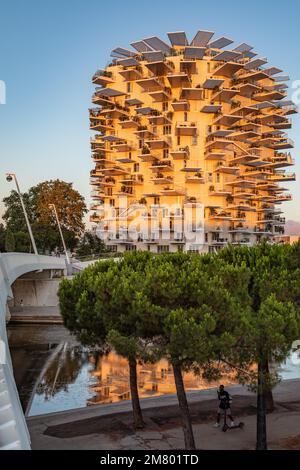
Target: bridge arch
13	429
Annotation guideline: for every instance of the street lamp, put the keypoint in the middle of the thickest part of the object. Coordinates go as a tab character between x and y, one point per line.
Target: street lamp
53	207
9	178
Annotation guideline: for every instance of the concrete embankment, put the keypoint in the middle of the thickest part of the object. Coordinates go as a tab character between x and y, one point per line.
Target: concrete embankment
110	426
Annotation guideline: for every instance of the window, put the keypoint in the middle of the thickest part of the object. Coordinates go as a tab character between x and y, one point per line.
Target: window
130	248
163	249
165	212
166	153
178	140
206	237
194	139
209	177
165	106
136	167
113	247
167	130
185	116
140	144
218	178
109	191
112	202
208	67
156	200
129	87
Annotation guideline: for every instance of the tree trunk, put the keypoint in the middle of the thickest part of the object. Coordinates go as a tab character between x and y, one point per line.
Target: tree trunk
269	395
184	409
261	430
136	408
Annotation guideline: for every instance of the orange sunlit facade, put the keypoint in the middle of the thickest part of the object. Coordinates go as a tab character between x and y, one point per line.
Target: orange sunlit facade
179	124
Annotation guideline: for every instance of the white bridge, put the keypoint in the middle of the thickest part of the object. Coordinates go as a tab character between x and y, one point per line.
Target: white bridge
13	429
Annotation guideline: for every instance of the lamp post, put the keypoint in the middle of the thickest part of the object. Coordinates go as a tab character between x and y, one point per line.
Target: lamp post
9	178
53	207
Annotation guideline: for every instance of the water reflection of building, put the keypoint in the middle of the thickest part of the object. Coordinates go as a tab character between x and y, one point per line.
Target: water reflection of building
110	379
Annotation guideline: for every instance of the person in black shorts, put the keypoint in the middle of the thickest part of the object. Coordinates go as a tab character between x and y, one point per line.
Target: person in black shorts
224	406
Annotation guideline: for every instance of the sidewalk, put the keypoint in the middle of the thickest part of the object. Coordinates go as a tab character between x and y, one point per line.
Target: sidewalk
110	426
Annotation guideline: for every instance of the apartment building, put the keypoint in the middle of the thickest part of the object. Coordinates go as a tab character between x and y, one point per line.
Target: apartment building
190	149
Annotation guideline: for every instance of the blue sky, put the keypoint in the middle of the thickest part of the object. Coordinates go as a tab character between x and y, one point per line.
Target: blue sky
49	51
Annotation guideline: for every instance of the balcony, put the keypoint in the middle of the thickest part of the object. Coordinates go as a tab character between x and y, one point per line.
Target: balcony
226	169
191	94
227	120
150	84
161	95
196	178
123	146
173	191
160	67
133	180
186	128
182	153
181	105
162	165
131	74
228	69
283	144
103	78
283	177
220	192
147	156
160	119
102	125
158	143
179	80
215	156
129	122
225	95
161	179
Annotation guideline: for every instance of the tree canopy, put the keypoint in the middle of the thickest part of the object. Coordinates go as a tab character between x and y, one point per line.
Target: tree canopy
70	207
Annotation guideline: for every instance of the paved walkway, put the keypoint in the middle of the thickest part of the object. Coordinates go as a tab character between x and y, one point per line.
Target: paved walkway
110	426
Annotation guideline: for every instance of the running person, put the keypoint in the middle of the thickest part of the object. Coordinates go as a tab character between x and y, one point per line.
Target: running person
224	406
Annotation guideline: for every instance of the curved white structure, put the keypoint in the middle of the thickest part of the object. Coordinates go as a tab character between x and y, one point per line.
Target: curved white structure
13	429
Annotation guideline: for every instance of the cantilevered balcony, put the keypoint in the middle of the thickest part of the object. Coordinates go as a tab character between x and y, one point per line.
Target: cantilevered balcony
161	95
226	169
181	153
226	120
103	78
179	79
159	119
219	156
197	178
150	84
181	105
228	69
101	125
158	143
131	74
162	165
225	95
131	122
160	67
186	128
173	191
283	144
191	94
159	178
133	180
282	176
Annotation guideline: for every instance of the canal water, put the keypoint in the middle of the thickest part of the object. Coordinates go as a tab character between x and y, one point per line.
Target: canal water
54	372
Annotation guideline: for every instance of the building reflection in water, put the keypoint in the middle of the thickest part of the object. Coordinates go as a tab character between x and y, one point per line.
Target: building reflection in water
110	377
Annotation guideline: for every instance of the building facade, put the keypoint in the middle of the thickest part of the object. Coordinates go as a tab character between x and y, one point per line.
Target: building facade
190	148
